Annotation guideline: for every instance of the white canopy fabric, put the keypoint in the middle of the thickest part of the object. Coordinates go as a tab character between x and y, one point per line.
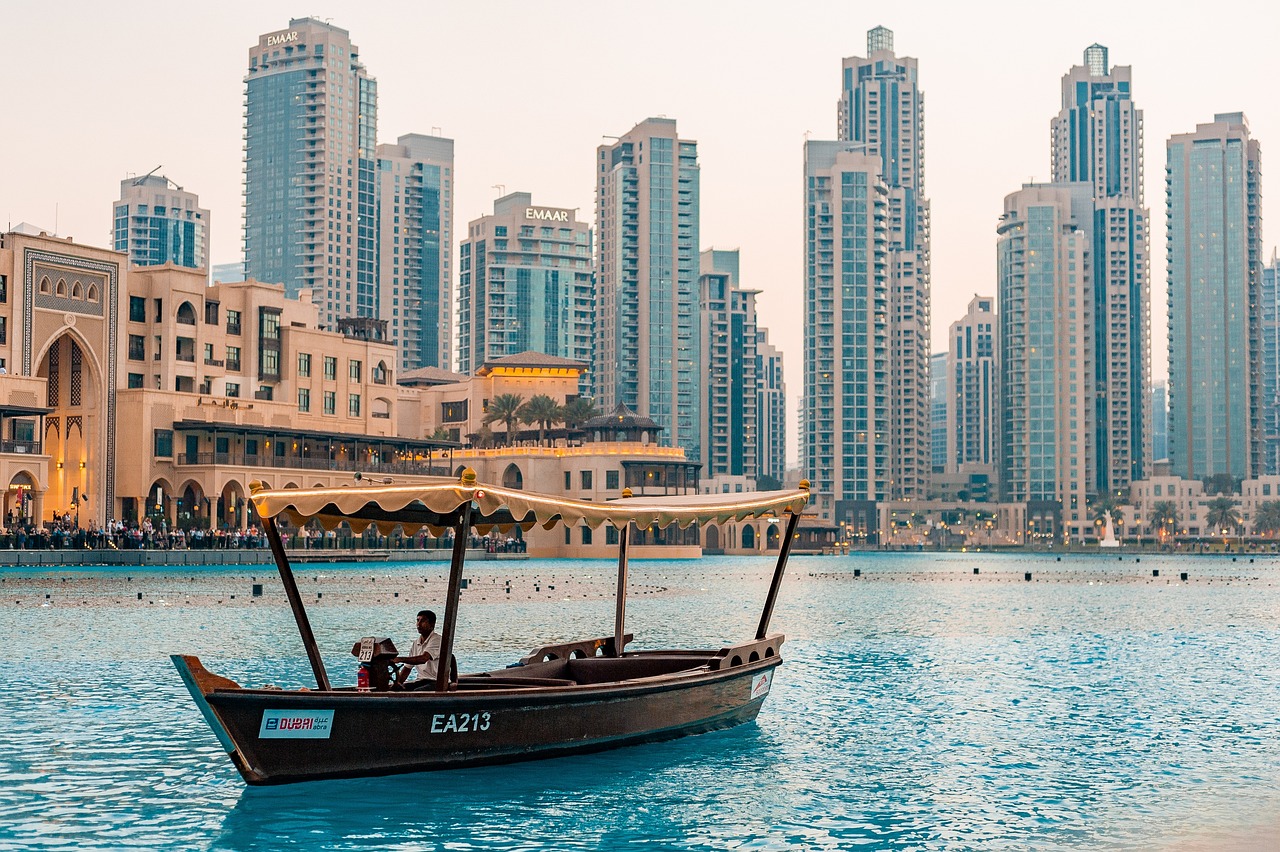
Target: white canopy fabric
436	505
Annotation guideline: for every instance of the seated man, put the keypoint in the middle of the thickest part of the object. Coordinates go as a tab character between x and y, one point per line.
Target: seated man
423	654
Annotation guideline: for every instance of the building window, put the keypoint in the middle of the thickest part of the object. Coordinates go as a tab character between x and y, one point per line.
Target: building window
137	309
330	402
233	358
4	329
184	384
353	405
353	370
4	289
379	372
208	353
610	534
233	322
586	479
586	535
210	313
304	400
568	480
611	480
233	389
330	367
304	365
159	309
453	412
164	443
137	347
269	366
135	380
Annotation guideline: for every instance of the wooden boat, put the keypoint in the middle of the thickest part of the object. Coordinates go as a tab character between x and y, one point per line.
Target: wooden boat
579	696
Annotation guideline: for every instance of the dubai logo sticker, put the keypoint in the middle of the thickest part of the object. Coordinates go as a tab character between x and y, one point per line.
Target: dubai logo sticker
295	725
760	684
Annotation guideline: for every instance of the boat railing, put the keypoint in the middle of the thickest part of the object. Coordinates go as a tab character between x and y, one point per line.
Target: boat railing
747	652
602	647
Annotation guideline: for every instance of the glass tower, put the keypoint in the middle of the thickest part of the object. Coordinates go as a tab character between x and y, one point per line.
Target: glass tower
158	222
310	179
525	285
647	329
846	345
882	107
1097	140
1045	297
1215	276
1269	367
731	433
771	409
415	235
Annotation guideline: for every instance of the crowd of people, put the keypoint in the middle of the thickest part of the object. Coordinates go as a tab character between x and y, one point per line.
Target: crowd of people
64	532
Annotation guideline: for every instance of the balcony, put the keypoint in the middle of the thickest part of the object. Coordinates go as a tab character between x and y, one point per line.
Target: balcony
21	447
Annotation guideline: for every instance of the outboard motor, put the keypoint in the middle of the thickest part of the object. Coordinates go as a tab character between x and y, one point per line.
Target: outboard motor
375	656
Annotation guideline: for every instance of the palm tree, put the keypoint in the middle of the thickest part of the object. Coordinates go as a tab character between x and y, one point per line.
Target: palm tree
1101	505
1164	517
1222	514
578	411
506	408
1267	521
542	410
441	434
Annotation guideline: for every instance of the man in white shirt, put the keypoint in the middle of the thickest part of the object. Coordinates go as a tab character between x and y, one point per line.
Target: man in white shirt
423	654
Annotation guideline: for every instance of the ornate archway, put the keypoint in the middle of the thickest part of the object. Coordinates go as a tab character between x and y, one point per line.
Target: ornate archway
74	429
512	477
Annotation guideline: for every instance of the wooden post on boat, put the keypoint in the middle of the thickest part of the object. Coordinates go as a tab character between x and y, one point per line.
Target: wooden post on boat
620	613
454	594
783	552
295	602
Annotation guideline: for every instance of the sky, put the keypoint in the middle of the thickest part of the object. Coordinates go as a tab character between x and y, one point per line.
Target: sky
528	90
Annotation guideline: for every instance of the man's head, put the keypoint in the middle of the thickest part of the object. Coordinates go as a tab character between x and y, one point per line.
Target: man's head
426	622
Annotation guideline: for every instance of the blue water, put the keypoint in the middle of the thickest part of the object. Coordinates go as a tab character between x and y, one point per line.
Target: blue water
920	707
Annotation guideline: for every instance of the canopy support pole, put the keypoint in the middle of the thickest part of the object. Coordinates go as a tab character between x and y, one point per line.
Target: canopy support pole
620	614
295	603
452	598
783	553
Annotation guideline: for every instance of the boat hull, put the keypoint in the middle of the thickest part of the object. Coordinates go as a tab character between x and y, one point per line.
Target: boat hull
277	737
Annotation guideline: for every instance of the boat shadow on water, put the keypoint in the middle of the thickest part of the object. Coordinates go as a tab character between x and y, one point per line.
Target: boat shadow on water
579	801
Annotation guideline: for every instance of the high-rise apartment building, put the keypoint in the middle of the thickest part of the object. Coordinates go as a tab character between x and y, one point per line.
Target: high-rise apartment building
1045	295
158	222
1097	139
525	284
973	376
415	240
771	408
309	177
647	331
730	422
1212	182
882	107
1269	367
1160	421
846	348
938	382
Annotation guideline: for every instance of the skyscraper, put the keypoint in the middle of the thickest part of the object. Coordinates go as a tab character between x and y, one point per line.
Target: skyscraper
1046	376
309	183
882	107
415	240
1097	139
846	347
730	422
771	410
525	284
158	222
647	202
972	432
938	383
1269	367
1215	274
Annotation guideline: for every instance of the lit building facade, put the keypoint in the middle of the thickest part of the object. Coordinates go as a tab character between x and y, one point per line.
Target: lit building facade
525	283
1160	421
938	383
846	304
973	377
882	107
310	183
647	331
1045	360
158	222
730	426
1214	274
1097	139
771	408
415	240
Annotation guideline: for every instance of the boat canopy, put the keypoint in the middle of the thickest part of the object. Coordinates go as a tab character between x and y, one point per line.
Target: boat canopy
436	504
